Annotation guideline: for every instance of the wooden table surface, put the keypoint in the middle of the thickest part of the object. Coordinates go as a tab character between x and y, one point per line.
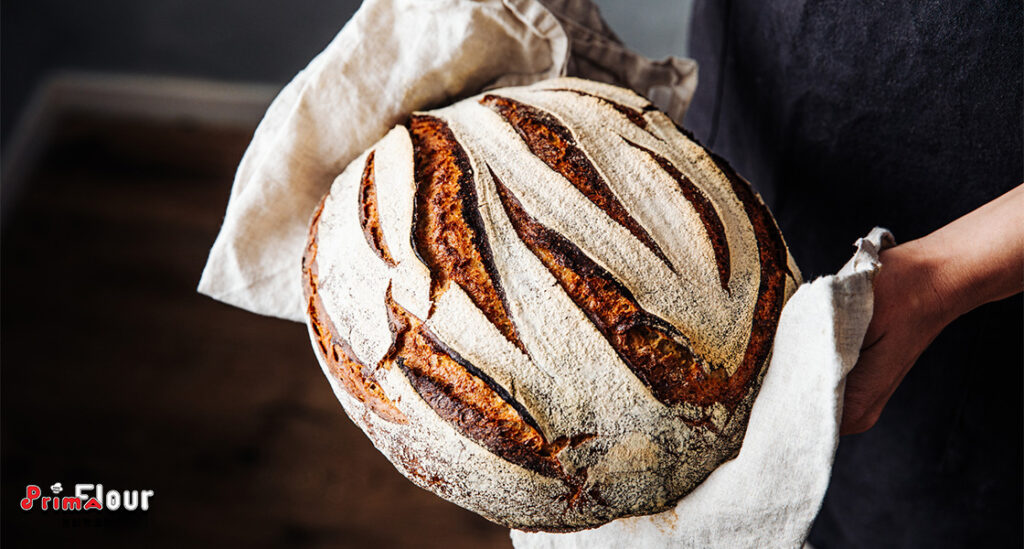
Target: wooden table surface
115	371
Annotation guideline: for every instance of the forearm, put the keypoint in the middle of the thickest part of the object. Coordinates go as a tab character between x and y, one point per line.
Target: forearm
974	260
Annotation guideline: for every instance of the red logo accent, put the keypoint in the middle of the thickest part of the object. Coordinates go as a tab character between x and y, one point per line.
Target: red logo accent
32	493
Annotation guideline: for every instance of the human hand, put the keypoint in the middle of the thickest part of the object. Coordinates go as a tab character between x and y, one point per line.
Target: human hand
908	315
924	285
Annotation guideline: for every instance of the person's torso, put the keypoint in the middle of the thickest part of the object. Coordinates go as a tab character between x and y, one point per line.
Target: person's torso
904	115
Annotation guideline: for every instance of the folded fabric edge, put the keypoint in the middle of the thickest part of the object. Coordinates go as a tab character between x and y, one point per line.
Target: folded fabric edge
852	292
241	297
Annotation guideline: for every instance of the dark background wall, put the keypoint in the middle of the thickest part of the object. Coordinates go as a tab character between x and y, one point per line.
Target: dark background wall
218	39
262	41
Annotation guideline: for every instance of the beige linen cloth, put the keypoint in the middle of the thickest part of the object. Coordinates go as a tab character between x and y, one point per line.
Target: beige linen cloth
397	56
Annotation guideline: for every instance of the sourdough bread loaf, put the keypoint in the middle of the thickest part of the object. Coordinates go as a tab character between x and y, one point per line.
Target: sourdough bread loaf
546	303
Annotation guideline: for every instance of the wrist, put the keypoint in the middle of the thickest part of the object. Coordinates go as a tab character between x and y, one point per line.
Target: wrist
925	281
955	273
978	258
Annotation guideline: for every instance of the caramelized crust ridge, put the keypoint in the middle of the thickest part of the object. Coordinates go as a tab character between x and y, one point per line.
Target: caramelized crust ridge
647	344
705	209
771	292
634	116
553	143
333	348
369	217
462	395
449	234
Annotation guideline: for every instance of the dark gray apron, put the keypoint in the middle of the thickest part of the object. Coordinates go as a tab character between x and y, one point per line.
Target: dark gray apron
846	115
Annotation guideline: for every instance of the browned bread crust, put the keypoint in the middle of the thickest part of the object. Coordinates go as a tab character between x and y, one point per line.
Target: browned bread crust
333	349
451	233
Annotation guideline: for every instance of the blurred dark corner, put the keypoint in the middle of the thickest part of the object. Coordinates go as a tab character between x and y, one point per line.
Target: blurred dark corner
243	41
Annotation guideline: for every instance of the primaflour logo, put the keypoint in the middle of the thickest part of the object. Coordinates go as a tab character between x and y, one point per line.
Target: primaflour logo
88	497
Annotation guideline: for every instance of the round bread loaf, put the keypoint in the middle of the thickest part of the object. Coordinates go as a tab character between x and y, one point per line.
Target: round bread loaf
546	304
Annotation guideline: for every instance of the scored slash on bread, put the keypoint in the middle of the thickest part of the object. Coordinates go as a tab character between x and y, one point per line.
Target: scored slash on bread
546	304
